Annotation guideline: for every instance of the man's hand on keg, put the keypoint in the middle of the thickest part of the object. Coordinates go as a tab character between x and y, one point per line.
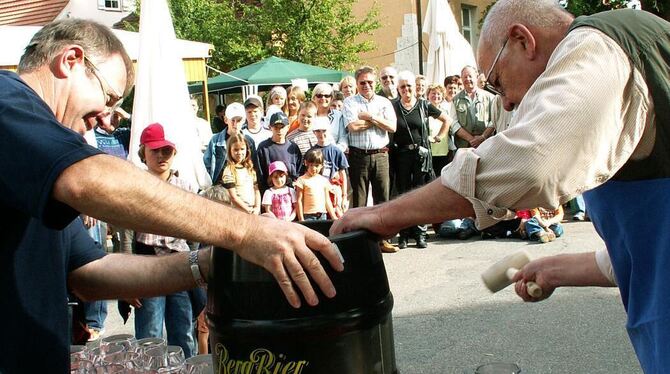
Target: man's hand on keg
287	251
365	218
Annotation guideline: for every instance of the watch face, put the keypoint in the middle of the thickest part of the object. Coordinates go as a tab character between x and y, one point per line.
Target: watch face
195	268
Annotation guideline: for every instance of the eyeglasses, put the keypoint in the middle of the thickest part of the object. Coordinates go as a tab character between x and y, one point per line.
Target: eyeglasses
368	83
385	77
491	87
113	99
321	96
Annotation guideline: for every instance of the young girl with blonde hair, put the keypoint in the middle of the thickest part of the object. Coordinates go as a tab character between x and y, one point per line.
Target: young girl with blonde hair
239	176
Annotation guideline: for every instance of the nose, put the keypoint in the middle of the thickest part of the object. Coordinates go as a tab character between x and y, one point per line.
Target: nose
105	122
507	104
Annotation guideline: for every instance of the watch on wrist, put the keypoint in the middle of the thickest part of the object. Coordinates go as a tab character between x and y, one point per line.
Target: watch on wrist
195	268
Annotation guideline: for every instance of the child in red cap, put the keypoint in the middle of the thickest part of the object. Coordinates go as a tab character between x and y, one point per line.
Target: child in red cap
174	309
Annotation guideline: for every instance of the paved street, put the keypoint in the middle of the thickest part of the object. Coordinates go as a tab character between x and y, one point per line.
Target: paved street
446	321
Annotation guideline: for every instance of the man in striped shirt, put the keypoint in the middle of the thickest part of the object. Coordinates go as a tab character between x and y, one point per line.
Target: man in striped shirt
369	118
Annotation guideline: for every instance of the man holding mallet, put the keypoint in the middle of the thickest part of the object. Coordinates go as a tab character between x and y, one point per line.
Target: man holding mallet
587	94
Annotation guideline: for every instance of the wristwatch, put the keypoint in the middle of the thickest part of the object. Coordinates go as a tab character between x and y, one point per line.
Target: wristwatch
195	268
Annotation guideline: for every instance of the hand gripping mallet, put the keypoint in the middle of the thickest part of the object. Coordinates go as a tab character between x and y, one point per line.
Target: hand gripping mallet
499	275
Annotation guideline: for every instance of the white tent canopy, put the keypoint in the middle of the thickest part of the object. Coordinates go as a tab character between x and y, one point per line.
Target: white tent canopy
165	100
448	51
16	38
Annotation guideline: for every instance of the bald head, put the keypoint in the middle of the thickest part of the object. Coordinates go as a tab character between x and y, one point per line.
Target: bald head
517	40
541	14
469	77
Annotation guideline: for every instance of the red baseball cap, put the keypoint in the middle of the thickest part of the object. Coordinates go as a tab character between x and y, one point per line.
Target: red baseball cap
153	137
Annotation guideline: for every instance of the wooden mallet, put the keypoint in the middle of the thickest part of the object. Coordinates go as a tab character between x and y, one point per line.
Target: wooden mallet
499	275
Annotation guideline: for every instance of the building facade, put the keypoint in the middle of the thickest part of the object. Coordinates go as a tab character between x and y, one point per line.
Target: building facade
397	39
41	12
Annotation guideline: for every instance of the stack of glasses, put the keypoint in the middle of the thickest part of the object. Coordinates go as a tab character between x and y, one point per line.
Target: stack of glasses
125	354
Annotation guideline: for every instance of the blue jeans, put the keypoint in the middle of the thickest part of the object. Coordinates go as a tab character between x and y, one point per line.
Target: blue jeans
449	229
175	311
95	313
468	223
578	205
533	228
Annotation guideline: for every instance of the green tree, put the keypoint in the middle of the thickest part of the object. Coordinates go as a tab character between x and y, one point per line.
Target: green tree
586	7
319	32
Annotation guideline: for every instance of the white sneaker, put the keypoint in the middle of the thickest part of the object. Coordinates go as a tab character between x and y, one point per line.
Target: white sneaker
95	334
543	237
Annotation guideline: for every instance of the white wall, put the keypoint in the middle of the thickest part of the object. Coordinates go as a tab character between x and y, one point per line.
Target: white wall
90	9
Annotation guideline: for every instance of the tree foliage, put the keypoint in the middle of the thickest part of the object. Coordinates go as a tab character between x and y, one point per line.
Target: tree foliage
318	32
586	7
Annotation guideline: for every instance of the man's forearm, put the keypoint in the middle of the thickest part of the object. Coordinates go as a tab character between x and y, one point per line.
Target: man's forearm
464	134
358	125
122	276
384	124
431	203
575	269
115	191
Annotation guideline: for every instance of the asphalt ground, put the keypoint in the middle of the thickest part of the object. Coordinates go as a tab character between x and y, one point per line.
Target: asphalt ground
446	321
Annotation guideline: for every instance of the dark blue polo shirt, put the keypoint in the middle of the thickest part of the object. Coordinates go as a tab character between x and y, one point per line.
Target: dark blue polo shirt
38	243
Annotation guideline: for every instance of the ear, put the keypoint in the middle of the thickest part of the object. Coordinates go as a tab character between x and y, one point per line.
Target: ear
522	35
67	60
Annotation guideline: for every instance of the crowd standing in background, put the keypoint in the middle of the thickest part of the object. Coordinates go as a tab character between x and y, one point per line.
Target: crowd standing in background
381	135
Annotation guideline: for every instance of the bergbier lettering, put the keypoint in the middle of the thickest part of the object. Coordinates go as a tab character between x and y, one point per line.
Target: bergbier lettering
261	361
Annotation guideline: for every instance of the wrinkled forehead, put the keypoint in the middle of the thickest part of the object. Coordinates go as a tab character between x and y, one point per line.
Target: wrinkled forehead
367	77
469	73
389	71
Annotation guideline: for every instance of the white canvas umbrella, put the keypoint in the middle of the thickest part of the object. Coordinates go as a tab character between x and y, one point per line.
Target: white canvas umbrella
161	93
448	51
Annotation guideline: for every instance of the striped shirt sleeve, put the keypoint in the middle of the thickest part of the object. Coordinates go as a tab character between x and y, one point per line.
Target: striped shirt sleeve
581	120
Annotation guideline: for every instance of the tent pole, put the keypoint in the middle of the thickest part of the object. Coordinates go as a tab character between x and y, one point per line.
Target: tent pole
420	35
205	94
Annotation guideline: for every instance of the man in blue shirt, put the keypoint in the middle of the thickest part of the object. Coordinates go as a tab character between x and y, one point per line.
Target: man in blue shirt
71	76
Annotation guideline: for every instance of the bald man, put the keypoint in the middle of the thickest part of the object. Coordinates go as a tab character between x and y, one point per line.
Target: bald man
471	109
389	81
584	91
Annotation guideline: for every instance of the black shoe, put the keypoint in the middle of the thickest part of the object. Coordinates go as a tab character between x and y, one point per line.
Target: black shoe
421	242
466	234
402	242
487	235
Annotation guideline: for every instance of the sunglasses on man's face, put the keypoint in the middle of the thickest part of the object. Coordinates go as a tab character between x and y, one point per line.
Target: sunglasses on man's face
321	96
385	77
366	83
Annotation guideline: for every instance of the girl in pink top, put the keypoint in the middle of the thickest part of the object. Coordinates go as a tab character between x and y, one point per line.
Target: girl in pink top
279	200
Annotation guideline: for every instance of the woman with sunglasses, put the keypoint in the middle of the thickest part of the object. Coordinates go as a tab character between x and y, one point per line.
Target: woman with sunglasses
322	95
412	143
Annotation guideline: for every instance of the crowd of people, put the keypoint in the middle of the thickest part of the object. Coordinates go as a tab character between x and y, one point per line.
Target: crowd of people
377	138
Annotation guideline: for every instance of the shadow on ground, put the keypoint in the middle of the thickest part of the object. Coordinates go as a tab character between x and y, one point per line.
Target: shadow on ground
546	337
